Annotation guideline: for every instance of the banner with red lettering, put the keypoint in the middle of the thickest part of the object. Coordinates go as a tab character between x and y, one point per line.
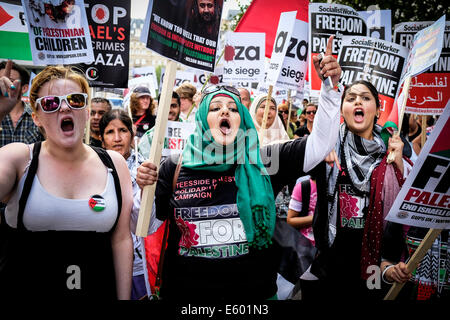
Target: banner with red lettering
58	31
429	91
377	61
326	19
184	31
424	200
109	24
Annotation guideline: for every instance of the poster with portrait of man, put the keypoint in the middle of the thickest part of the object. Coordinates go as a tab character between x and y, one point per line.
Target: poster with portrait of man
186	31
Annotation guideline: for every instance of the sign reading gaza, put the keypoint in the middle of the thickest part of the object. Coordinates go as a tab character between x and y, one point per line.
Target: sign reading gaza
109	25
326	20
59	32
185	31
424	200
243	57
377	61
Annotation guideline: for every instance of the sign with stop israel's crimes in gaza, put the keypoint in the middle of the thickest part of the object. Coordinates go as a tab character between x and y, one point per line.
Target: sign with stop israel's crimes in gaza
424	200
377	61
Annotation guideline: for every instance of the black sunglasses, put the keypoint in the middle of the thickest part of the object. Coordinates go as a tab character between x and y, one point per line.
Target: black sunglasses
309	112
283	111
214	88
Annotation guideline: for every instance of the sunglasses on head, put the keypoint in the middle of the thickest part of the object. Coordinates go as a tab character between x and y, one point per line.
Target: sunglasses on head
51	104
214	88
310	112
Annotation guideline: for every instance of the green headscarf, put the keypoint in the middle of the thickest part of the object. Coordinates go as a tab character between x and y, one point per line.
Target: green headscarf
255	199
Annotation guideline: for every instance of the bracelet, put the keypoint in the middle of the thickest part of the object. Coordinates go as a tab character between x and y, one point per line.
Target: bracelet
384	273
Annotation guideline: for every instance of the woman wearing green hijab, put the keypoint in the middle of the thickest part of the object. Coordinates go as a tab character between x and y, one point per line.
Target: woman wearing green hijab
221	209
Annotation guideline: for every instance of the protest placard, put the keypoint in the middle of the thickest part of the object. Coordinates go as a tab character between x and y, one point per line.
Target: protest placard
326	19
176	137
429	91
14	34
244	57
377	61
379	23
181	31
146	72
59	34
281	44
109	24
424	200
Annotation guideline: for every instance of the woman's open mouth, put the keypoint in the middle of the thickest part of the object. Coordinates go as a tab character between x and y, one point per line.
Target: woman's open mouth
67	125
225	126
358	115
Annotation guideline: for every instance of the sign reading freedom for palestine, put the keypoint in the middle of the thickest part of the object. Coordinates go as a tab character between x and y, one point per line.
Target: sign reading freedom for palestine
183	32
59	32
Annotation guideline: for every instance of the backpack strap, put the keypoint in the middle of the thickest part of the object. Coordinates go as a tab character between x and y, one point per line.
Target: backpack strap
306	194
32	169
107	161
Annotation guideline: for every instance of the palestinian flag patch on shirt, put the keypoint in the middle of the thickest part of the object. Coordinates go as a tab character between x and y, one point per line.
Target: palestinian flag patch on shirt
97	203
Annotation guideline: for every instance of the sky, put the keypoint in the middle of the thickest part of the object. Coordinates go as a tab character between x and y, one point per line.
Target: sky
139	7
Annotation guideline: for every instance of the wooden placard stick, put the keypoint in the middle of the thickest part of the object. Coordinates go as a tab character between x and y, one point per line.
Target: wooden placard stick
262	130
289	101
391	156
425	245
423	134
148	193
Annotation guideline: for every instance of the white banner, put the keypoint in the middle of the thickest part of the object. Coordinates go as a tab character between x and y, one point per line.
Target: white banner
176	137
243	58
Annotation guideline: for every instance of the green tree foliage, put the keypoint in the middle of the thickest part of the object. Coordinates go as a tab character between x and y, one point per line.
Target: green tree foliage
404	10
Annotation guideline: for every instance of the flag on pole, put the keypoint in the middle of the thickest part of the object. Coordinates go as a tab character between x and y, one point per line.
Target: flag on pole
263	16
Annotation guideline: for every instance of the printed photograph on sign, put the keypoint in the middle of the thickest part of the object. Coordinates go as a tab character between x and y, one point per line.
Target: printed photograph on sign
186	31
59	32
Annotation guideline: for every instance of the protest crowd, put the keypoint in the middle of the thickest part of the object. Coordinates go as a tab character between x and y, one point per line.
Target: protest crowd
271	191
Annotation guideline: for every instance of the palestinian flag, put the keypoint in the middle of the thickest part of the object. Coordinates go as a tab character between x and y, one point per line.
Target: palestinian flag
15	43
97	203
391	124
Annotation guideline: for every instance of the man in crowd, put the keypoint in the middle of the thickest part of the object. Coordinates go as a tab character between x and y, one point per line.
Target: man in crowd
16	122
245	97
99	106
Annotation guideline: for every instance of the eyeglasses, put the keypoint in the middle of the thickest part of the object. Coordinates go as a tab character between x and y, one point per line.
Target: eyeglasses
213	88
283	111
310	112
51	104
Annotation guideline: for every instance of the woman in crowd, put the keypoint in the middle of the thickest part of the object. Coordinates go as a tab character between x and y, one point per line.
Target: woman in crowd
310	112
348	228
275	131
283	111
116	131
142	110
68	203
220	204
